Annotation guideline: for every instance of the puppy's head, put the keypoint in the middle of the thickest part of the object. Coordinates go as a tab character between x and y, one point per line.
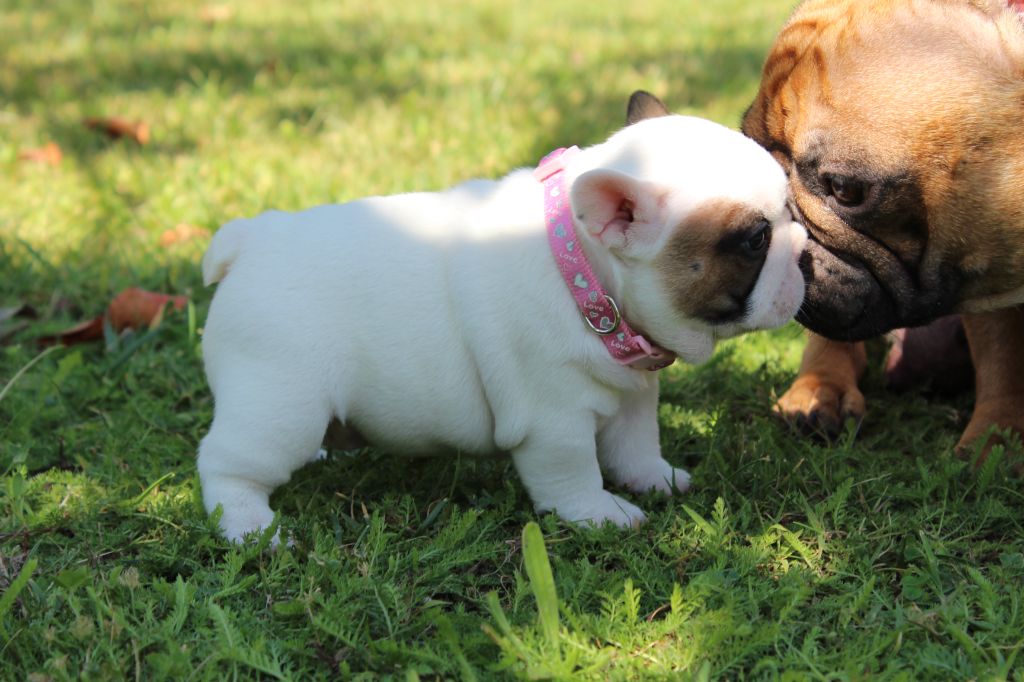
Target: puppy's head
693	216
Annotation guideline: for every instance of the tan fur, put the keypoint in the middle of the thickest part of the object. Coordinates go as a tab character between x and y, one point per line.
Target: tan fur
931	91
996	341
964	71
825	393
705	280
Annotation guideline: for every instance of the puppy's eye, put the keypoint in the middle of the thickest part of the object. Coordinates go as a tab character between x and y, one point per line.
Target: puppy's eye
848	192
758	241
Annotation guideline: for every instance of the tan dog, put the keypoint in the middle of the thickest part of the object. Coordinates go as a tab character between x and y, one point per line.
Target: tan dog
901	126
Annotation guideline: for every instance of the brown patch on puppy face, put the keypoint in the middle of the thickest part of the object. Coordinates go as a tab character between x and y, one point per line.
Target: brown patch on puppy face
713	259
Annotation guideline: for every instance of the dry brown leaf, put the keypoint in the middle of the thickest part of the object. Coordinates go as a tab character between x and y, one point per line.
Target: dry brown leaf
132	308
136	307
183	232
49	154
117	127
215	13
82	332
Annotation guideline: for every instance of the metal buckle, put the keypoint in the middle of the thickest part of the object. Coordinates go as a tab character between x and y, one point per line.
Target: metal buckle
615	321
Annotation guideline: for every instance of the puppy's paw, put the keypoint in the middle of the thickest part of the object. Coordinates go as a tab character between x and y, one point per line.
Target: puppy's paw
606	508
246	525
660	477
820	407
244	519
244	504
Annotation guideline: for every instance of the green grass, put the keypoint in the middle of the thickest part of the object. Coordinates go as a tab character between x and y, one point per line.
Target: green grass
880	556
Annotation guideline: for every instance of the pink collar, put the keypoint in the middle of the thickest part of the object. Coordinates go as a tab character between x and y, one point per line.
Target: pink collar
600	312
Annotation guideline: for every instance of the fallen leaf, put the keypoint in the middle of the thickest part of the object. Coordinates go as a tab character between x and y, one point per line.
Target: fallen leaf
117	127
82	332
215	13
131	309
136	307
49	154
183	232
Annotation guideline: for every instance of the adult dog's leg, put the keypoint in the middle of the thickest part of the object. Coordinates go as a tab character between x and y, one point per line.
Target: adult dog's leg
825	392
997	349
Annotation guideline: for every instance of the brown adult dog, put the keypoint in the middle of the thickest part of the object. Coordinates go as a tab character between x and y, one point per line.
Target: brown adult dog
901	125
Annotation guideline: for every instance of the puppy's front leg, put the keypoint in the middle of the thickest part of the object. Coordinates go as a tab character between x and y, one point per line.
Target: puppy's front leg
558	465
629	447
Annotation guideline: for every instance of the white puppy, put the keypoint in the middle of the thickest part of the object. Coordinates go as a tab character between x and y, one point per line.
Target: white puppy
444	322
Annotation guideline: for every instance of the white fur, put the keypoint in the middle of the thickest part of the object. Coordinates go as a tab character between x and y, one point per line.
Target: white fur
438	322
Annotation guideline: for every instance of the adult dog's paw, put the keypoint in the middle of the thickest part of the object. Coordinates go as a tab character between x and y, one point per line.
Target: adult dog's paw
979	435
817	406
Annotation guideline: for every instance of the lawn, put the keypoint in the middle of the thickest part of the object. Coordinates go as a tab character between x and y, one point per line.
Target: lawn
877	556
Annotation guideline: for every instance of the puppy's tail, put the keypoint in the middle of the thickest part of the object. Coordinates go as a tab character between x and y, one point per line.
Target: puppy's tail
224	249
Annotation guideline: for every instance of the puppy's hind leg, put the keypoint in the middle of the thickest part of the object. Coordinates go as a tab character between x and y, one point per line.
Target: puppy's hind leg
259	436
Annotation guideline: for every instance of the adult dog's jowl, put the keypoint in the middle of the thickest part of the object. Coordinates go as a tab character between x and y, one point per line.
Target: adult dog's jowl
901	126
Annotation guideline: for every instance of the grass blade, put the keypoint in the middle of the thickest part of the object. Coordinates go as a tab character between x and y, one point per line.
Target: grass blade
21	372
542	582
14	589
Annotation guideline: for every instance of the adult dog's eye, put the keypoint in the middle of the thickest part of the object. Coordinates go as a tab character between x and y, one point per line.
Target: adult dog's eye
848	192
759	240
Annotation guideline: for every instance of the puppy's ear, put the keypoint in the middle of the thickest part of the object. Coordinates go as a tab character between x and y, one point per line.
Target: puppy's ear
643	104
617	209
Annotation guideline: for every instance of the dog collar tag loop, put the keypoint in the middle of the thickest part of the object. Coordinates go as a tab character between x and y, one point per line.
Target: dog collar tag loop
607	325
600	311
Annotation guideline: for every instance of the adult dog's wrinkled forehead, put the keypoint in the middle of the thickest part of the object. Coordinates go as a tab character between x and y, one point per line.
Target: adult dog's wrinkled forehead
897	121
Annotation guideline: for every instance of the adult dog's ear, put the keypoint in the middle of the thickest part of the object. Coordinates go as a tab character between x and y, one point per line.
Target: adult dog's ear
643	104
